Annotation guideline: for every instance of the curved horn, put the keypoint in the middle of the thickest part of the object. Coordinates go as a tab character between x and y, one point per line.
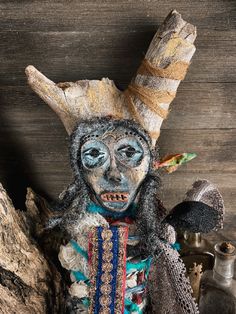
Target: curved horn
165	65
50	93
147	98
83	99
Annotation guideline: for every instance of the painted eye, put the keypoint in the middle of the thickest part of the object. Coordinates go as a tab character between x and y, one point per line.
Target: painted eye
94	154
129	152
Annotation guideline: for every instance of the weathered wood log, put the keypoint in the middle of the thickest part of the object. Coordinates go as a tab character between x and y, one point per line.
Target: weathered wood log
146	99
29	283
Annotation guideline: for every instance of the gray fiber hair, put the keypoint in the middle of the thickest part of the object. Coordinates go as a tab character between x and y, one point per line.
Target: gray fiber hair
75	198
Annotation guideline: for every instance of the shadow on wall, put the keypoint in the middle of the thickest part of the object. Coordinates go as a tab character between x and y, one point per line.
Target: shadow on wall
16	169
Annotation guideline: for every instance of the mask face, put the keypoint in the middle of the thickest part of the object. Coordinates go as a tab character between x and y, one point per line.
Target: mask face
114	164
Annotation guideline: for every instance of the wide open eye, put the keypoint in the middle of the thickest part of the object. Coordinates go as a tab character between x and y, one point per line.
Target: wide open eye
129	151
94	154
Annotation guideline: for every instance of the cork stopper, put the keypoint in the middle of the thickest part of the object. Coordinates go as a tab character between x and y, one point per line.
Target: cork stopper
227	247
223	270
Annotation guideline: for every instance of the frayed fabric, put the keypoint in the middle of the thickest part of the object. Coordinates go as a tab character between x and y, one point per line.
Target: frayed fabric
155	236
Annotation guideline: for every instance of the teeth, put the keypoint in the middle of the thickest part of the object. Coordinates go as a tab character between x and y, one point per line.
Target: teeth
115	197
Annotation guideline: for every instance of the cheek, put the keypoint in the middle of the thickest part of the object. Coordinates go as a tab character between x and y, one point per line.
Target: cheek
93	177
138	174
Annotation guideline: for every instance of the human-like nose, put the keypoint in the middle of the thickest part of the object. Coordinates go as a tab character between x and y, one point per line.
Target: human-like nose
113	174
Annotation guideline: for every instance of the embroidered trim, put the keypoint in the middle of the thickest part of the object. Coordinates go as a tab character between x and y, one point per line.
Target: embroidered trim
121	272
107	269
107	259
93	262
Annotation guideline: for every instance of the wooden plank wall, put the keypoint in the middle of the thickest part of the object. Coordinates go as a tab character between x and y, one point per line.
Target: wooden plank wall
73	40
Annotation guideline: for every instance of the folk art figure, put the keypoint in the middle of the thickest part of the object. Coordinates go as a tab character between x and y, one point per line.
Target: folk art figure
120	241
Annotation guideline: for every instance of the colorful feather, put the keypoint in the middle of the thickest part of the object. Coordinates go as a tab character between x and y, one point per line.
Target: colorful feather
172	162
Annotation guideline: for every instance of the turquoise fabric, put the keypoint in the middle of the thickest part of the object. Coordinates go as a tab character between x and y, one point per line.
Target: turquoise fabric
79	249
80	276
144	264
136	289
86	302
130	212
176	246
132	307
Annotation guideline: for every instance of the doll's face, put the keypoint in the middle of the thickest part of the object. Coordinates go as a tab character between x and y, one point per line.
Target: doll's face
114	164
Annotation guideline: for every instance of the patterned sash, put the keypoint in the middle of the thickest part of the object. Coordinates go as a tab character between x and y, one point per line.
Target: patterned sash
107	265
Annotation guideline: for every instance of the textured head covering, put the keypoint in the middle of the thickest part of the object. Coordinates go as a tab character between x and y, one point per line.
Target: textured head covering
207	193
201	211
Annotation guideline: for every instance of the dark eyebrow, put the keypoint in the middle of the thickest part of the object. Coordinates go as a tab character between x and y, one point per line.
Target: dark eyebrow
124	146
90	148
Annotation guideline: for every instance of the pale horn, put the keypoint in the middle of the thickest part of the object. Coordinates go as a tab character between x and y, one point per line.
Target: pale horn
146	99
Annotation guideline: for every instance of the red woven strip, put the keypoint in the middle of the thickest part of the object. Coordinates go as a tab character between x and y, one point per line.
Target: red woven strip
122	251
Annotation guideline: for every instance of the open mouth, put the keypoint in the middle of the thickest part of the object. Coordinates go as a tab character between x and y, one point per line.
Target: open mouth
115	197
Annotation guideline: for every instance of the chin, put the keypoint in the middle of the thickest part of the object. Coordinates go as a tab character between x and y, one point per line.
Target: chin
115	206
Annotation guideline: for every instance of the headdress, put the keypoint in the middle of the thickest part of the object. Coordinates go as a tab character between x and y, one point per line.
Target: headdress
149	94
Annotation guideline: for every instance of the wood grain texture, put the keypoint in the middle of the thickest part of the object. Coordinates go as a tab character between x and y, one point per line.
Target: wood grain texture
20	257
148	96
74	15
197	106
120	54
74	40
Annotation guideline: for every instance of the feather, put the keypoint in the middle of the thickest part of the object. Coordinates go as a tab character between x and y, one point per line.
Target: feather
172	162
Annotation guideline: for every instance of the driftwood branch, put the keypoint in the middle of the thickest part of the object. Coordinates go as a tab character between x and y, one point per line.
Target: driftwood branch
170	52
81	99
147	98
28	282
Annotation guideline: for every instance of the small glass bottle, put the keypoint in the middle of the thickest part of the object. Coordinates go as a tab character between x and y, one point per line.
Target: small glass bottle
217	287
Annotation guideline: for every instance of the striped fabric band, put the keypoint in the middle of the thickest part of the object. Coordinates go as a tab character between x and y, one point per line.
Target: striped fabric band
107	262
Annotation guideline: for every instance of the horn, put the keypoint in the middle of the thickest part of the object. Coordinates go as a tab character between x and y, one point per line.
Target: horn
149	94
154	86
83	99
51	94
